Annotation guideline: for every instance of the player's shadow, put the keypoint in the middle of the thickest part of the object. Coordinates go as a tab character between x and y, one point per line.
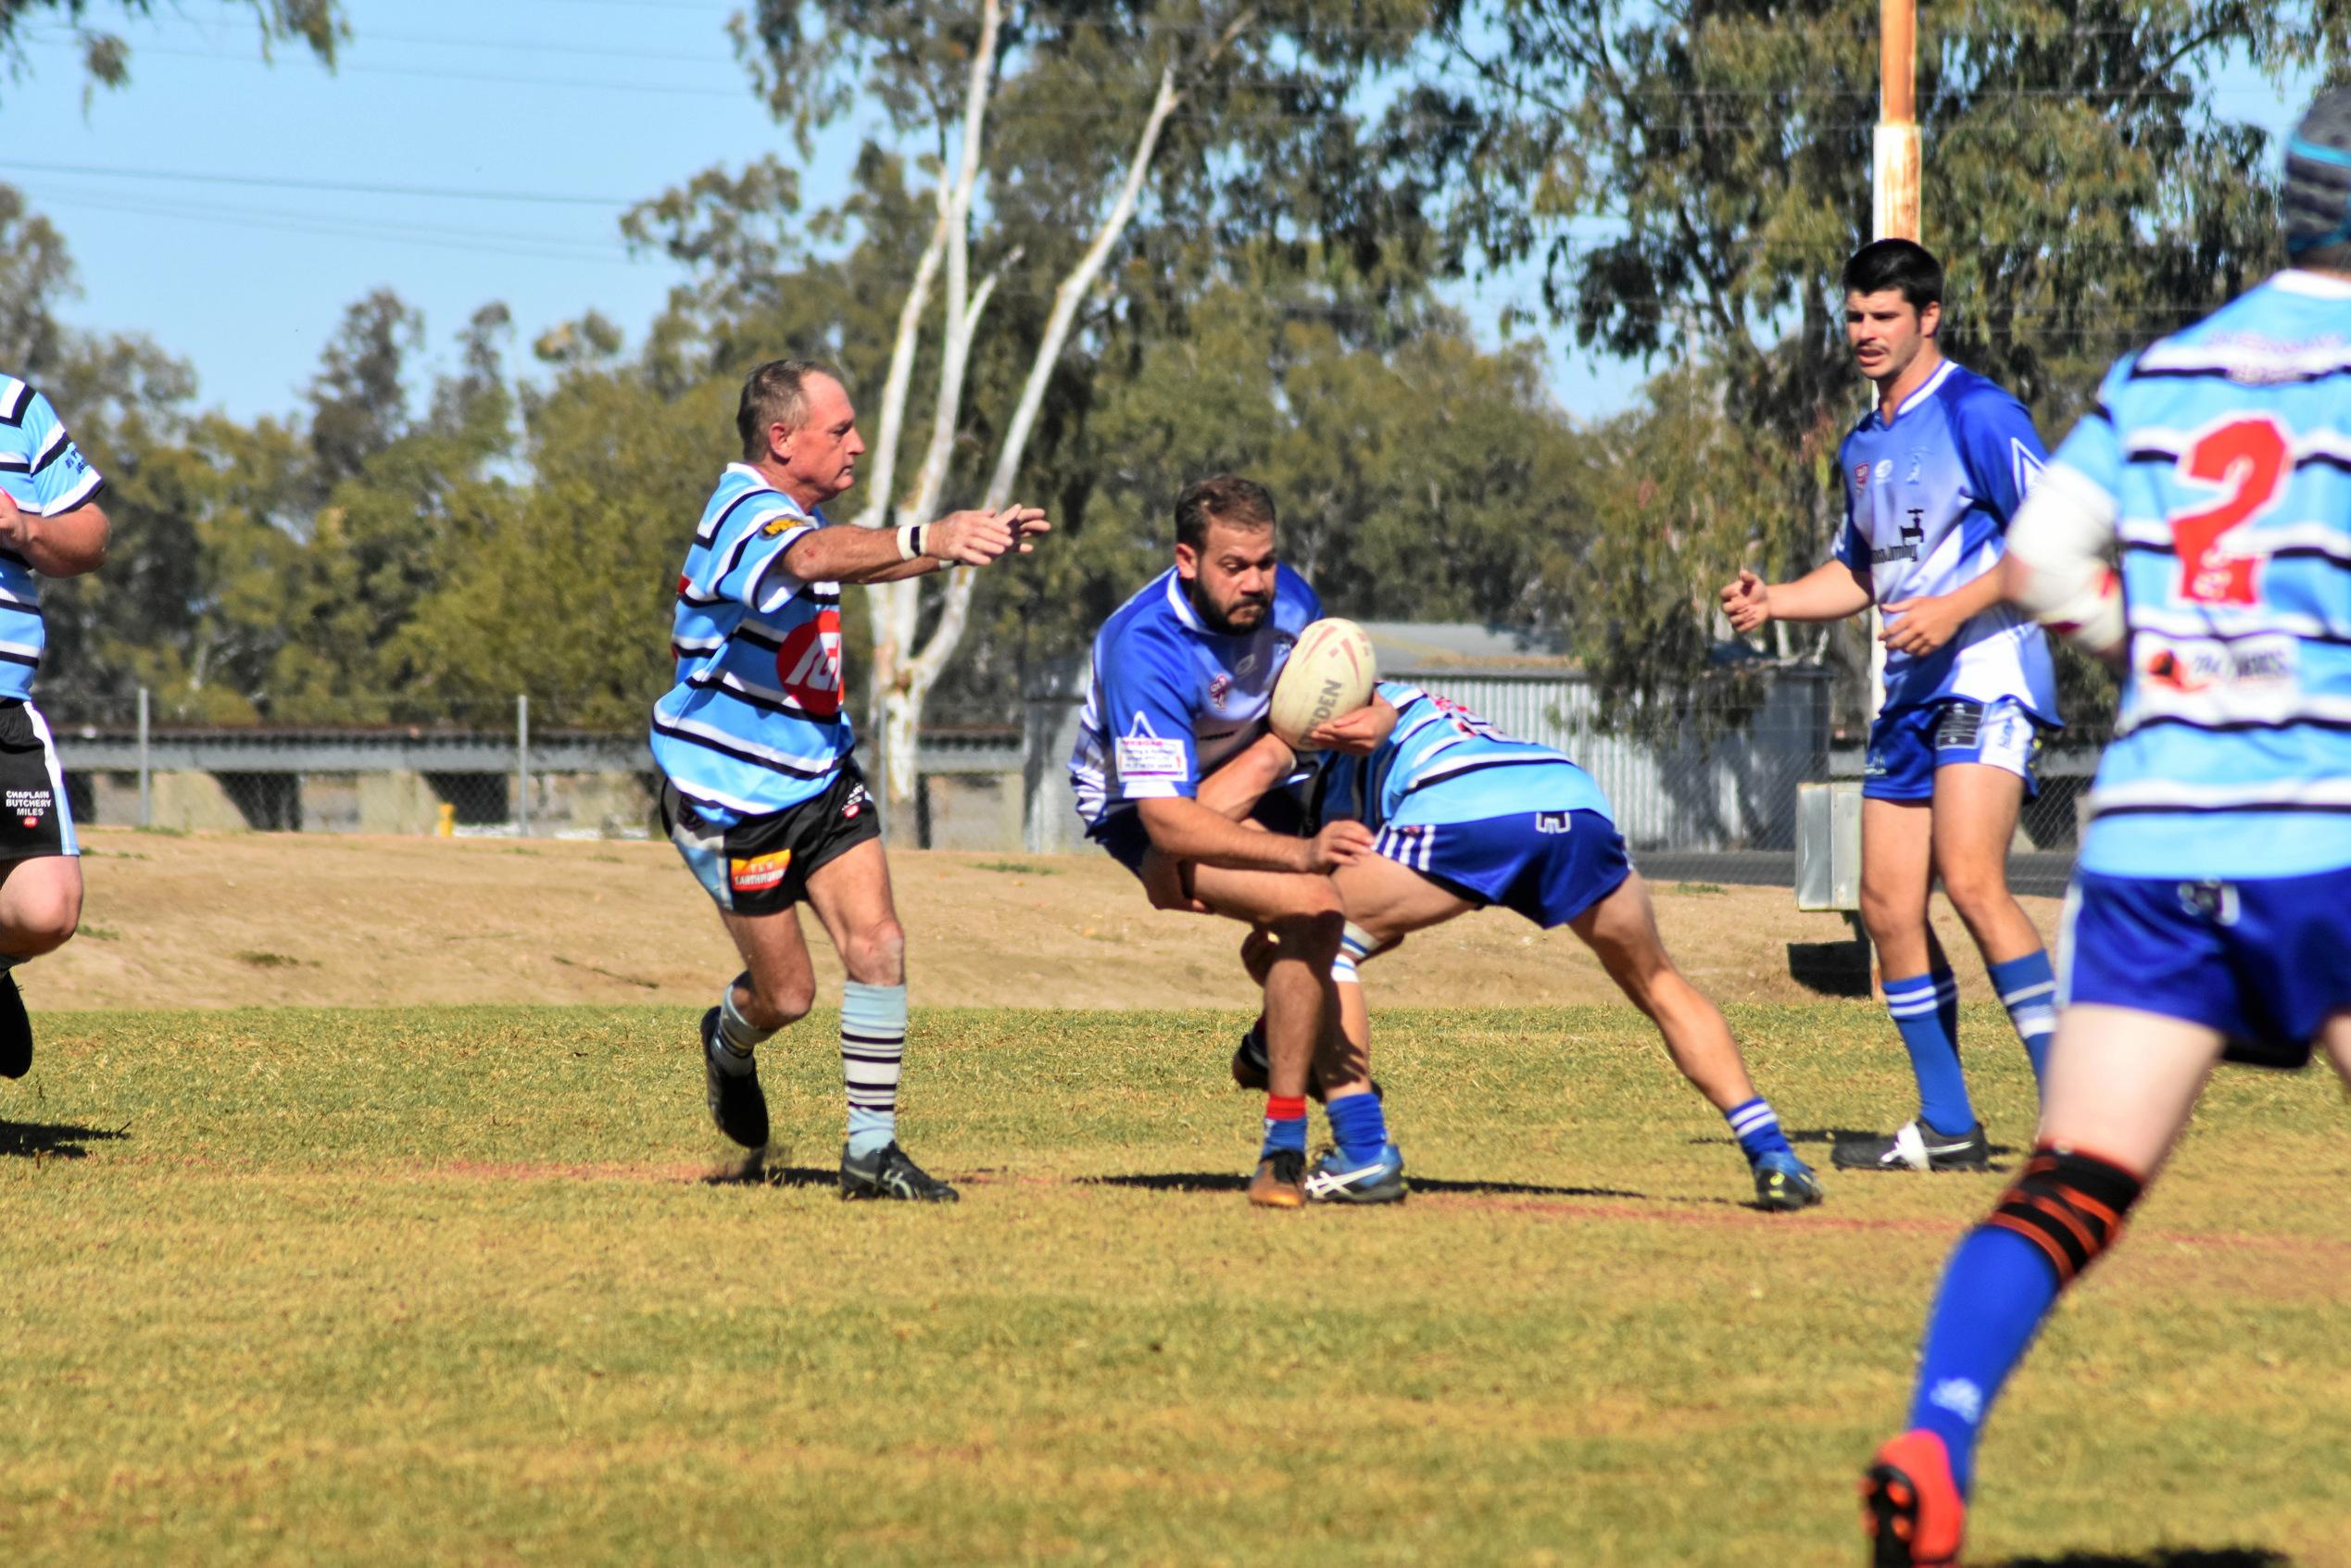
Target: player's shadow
754	1171
2162	1556
51	1140
1226	1181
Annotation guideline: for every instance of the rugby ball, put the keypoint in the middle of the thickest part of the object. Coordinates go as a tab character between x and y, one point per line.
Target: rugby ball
1330	672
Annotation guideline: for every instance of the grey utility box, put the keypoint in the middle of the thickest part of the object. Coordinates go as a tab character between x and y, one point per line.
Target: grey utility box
1829	846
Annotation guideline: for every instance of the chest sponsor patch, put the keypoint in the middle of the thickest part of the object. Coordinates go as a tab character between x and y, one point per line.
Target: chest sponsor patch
761	874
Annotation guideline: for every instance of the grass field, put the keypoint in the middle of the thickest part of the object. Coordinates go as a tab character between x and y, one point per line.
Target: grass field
308	1286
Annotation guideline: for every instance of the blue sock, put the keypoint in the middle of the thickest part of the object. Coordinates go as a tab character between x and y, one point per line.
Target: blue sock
1918	1007
1996	1289
1285	1125
2028	988
1359	1126
1756	1126
872	1050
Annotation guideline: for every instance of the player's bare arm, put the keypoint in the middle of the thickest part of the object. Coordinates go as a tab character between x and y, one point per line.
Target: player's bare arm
842	554
1826	592
1185	830
65	545
1926	623
1236	787
1358	733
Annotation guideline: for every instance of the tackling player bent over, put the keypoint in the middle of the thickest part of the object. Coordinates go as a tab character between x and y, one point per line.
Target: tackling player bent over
759	791
2210	911
1466	816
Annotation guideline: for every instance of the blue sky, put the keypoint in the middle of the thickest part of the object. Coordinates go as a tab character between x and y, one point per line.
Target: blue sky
462	152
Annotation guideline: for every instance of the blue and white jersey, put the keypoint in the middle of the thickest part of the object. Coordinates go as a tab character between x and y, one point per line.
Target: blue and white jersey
1169	700
1927	501
2226	451
44	474
1442	763
754	724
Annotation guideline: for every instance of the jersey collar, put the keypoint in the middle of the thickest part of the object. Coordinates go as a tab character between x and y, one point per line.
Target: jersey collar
1181	605
2314	286
1926	390
814	514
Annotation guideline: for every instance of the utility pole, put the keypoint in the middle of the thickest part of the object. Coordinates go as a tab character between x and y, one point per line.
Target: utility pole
1897	165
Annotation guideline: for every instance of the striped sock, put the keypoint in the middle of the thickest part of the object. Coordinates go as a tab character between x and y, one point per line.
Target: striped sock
872	1049
1921	1006
2028	988
738	1035
1756	1126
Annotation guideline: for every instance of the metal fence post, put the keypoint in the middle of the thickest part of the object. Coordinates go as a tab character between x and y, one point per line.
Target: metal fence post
522	765
146	777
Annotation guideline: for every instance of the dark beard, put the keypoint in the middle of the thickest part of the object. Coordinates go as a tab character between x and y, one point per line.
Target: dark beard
1214	619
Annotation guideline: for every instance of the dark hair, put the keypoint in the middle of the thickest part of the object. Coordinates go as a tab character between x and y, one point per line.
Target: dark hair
774	394
1226	498
1896	264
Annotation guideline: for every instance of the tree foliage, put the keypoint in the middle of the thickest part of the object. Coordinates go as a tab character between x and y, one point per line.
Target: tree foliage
316	25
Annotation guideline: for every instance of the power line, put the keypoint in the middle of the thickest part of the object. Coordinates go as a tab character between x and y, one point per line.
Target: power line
342	187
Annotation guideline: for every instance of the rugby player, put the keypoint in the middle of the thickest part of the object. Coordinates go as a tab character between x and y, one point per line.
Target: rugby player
51	525
1466	816
2210	911
1932	474
759	790
1179	686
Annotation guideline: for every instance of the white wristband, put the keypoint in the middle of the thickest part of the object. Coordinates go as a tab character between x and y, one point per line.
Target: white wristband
909	541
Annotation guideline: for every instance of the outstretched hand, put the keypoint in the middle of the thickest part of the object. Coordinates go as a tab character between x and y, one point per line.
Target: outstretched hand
976	538
1747	602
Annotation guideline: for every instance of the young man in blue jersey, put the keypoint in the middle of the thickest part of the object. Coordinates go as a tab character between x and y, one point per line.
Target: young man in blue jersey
1465	817
2210	914
760	792
51	525
1932	475
1178	684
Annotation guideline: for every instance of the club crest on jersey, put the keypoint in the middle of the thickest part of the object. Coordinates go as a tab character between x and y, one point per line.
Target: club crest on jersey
1220	686
1860	475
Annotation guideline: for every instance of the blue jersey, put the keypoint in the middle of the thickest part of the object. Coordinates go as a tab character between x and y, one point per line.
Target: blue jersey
754	723
44	474
1928	500
1167	700
2226	450
1443	764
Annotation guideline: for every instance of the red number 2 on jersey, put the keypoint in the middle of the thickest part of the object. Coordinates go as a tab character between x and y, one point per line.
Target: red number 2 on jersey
2249	458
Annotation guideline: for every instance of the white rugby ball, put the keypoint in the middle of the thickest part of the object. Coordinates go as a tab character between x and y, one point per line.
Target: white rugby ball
1330	672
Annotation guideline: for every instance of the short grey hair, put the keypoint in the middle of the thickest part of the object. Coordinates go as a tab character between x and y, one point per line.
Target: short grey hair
776	393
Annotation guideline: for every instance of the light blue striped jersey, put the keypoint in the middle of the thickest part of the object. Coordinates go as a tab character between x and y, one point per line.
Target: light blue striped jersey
1442	763
1928	500
2227	451
44	474
1169	700
754	723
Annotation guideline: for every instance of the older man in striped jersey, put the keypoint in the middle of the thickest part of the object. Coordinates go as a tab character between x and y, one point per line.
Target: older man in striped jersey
51	525
760	792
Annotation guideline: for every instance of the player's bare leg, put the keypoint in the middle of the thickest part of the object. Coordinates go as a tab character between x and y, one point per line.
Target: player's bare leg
1921	993
851	895
1621	930
2120	1087
40	910
1300	914
1976	809
776	988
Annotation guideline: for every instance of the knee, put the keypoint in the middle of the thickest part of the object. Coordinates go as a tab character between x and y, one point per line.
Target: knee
779	1007
1885	914
1976	894
1314	934
877	956
46	923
